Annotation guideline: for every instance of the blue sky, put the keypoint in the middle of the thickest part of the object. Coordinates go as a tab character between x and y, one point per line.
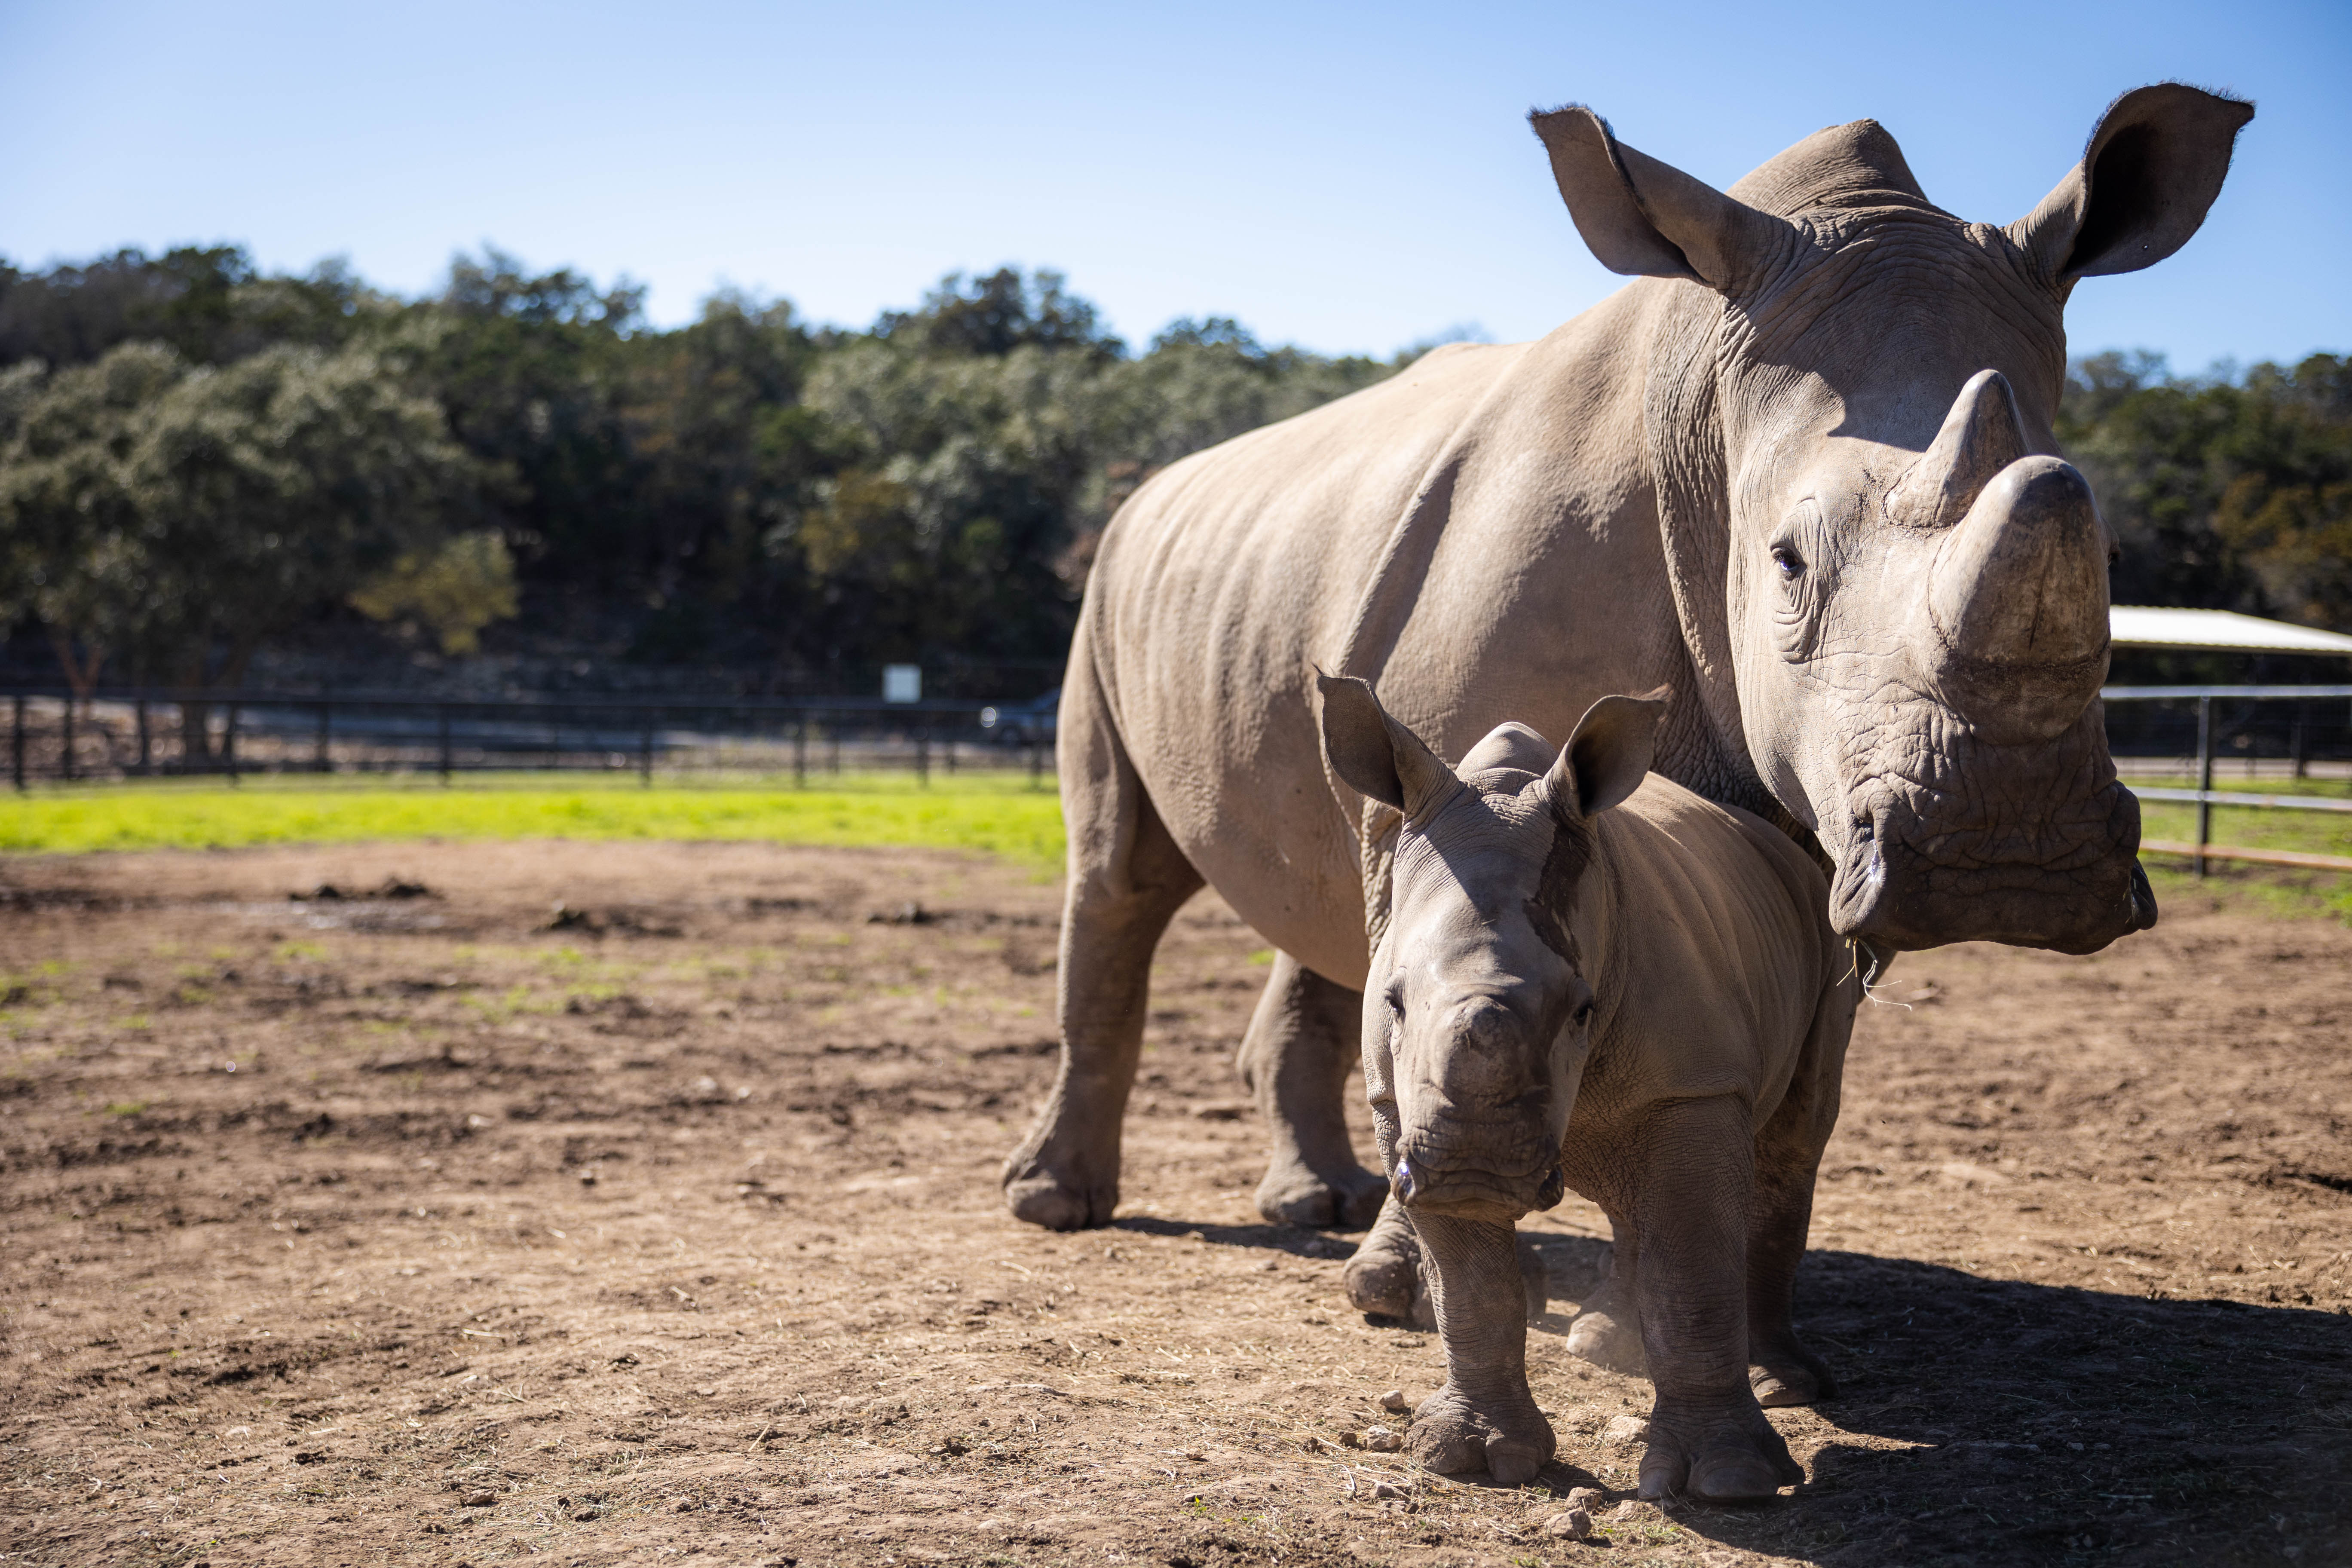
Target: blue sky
1349	177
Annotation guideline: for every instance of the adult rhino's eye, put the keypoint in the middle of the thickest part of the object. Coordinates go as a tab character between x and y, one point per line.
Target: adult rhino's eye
1584	1015
1792	565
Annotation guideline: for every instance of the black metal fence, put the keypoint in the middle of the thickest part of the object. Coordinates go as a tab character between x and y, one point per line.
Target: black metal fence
2288	733
2299	732
56	738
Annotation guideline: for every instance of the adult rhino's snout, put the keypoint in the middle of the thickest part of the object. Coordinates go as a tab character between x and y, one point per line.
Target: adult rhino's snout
2013	630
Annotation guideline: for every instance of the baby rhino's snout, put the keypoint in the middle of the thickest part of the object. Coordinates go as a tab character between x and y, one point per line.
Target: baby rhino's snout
1490	1059
1483	1140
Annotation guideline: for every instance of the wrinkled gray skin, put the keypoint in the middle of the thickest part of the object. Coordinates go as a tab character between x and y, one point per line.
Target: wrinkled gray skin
1801	474
1646	1003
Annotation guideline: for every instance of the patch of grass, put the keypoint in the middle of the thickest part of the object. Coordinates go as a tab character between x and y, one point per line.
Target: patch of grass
996	814
2276	891
2265	889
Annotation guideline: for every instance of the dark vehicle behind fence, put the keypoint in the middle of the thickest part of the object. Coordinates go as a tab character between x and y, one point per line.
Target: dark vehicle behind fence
1029	723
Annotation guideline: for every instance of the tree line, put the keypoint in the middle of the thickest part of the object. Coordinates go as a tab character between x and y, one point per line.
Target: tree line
198	457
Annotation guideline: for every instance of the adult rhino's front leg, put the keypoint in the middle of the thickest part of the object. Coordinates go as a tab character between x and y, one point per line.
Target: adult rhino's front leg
1781	1367
1484	1418
1708	1437
1607	1331
1297	1058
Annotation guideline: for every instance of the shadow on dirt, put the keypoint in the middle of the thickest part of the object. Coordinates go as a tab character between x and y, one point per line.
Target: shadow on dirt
2050	1425
2059	1425
1296	1240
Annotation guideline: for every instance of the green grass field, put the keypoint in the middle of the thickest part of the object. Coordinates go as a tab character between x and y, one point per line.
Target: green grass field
2310	832
998	813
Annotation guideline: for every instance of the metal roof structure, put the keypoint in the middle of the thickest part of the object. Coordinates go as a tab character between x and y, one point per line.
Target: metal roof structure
2219	631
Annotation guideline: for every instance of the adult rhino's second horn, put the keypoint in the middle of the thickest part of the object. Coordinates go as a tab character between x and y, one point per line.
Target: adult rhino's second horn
2015	616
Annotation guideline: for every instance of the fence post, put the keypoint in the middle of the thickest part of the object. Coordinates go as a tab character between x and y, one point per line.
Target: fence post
65	755
16	740
445	743
2204	779
2295	741
146	739
228	744
645	751
800	752
320	763
833	734
923	758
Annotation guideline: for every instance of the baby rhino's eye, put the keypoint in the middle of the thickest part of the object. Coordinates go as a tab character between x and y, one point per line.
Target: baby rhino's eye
1584	1014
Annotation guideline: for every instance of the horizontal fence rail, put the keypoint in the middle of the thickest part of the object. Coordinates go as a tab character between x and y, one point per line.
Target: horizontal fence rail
2299	732
55	737
2304	730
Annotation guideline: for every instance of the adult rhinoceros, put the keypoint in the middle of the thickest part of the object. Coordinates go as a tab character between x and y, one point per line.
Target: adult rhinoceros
1802	473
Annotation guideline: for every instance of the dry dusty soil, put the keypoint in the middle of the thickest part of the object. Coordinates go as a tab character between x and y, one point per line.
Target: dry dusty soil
445	1228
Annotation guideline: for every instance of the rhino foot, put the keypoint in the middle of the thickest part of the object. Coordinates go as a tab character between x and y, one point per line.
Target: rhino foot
1608	1334
1040	1198
1294	1194
1383	1278
1722	1454
1508	1439
1784	1373
1386	1277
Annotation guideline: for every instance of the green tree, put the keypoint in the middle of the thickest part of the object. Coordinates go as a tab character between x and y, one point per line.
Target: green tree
71	521
453	591
2226	494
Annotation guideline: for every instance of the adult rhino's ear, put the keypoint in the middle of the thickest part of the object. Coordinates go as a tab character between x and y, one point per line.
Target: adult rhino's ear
2154	166
1650	219
1371	752
1609	755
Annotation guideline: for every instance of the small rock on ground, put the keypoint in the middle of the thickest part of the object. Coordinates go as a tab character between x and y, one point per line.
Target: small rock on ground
1394	1402
1626	1429
1573	1525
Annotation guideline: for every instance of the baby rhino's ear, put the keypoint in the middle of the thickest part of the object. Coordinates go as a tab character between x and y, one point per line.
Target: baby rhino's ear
1608	754
1373	754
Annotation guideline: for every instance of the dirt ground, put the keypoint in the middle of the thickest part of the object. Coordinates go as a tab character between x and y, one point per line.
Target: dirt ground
458	1228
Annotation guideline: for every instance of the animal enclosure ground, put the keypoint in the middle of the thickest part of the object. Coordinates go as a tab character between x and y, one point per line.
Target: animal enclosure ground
444	1226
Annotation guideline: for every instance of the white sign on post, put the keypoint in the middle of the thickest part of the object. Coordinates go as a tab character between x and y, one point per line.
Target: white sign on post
902	683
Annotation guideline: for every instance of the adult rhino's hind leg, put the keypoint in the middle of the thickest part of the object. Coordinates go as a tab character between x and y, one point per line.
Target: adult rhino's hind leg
1296	1058
1127	878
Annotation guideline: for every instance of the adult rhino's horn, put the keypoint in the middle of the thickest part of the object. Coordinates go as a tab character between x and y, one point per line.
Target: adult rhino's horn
1980	437
2016	609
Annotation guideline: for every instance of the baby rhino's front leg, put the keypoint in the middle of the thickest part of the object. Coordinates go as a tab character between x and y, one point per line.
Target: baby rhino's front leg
1485	1418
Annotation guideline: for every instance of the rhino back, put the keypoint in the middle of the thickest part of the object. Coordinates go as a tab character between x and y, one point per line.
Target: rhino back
1717	949
1476	534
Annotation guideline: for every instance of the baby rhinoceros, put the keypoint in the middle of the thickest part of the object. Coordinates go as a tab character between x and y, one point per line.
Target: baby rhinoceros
1585	977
